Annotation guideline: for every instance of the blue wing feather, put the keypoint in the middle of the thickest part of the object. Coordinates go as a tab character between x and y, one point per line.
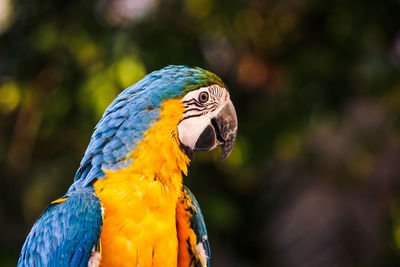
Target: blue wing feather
66	233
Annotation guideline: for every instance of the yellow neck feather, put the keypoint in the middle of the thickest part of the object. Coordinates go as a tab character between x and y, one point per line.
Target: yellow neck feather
158	155
139	226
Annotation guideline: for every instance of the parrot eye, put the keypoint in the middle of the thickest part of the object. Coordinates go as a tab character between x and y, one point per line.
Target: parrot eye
203	97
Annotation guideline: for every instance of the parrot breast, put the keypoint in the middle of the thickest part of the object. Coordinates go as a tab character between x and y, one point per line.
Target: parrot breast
140	200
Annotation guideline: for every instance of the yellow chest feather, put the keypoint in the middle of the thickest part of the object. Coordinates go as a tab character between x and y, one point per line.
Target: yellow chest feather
139	228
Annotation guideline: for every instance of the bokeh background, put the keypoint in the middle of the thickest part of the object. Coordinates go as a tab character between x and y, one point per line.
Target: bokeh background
314	177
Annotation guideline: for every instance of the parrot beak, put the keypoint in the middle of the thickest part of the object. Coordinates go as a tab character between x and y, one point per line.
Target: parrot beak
221	132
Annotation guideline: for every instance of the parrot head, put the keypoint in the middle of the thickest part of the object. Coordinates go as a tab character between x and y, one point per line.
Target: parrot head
190	105
209	120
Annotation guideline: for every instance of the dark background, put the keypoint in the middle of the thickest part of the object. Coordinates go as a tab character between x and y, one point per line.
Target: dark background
314	177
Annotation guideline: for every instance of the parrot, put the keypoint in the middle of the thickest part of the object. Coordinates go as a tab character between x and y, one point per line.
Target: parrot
127	205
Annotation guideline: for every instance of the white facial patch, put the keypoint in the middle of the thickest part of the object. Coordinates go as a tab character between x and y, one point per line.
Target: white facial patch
198	115
190	129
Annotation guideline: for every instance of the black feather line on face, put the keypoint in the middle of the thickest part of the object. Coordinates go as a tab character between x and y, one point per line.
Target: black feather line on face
192	102
210	106
205	105
192	116
194	109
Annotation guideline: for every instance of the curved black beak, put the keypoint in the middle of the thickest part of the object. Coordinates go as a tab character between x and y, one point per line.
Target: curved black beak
225	125
222	132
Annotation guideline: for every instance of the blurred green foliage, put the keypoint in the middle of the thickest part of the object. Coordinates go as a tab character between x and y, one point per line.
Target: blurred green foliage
314	177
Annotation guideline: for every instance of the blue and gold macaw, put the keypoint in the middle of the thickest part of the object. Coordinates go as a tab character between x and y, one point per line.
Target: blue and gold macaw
127	205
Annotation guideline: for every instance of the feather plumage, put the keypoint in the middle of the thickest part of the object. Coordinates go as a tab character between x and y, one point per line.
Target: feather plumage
133	164
194	248
66	233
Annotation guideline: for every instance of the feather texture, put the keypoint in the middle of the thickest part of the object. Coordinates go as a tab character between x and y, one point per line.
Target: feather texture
194	248
133	164
66	233
131	114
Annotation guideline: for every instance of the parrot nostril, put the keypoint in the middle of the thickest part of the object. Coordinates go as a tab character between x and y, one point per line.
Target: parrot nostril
214	123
